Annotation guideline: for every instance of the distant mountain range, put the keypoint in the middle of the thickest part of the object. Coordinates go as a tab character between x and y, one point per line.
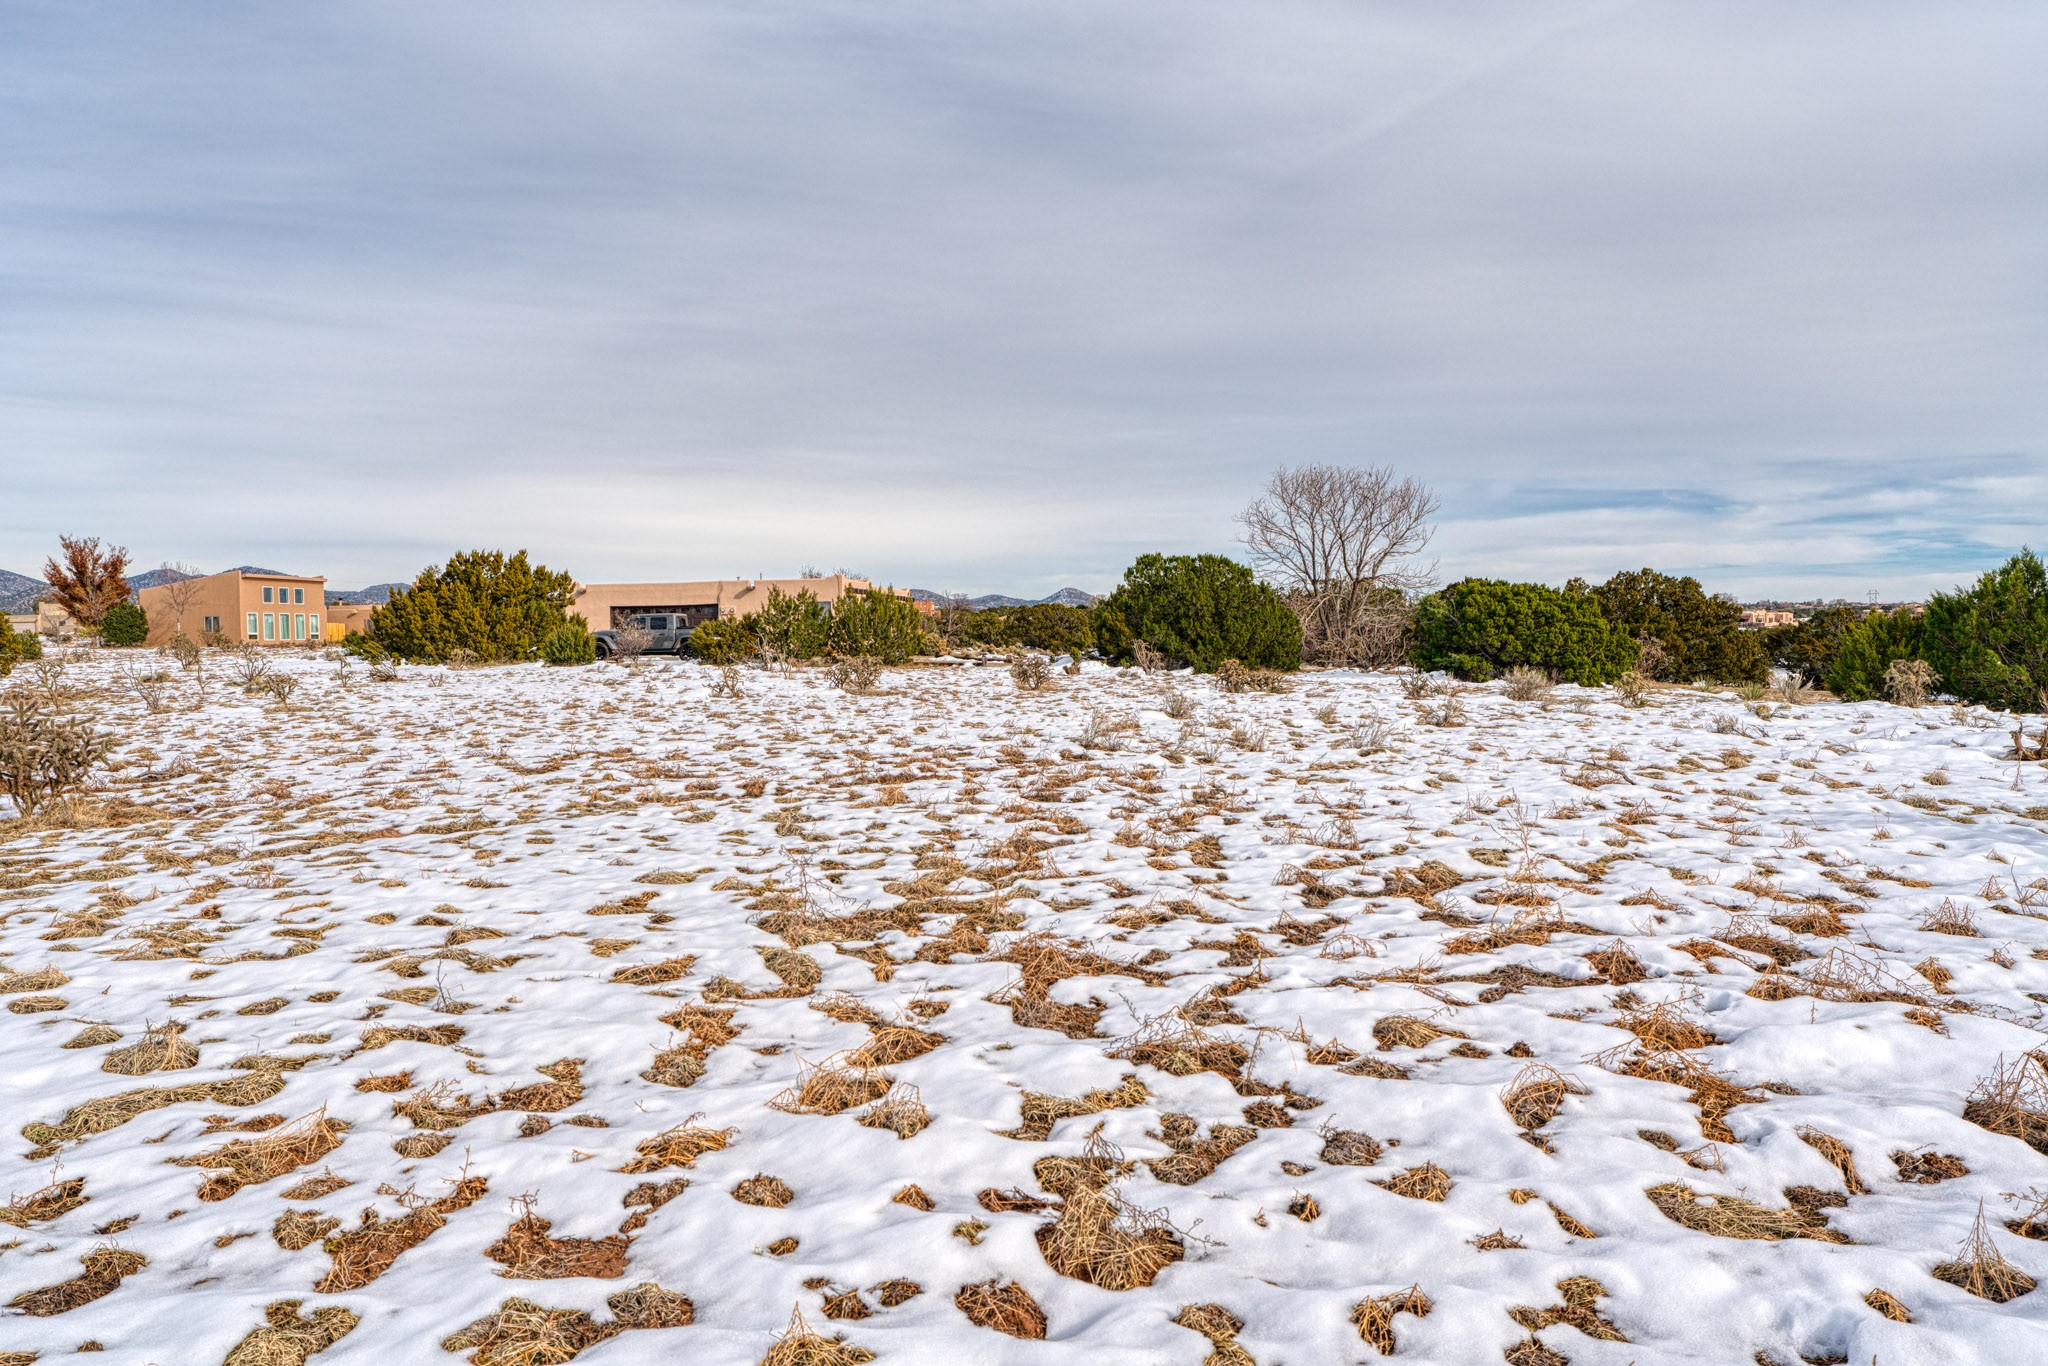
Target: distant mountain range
376	595
1066	597
18	592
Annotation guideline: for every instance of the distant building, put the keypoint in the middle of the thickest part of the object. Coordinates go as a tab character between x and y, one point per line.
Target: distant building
264	609
697	601
1762	618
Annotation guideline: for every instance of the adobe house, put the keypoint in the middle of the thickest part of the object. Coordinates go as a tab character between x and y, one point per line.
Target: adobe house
601	605
264	609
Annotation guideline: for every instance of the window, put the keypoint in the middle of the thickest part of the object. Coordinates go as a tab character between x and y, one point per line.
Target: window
252	626
299	625
266	592
298	596
210	625
313	625
270	626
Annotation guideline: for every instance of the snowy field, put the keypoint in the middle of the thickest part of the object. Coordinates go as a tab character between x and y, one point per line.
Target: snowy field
515	1015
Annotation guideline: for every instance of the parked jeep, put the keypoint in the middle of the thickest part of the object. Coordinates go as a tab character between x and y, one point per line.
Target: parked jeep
666	635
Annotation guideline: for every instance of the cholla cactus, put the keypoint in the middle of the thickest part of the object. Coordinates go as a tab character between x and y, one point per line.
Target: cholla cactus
43	757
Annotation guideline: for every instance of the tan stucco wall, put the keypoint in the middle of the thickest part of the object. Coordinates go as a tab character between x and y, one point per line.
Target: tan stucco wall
231	597
733	597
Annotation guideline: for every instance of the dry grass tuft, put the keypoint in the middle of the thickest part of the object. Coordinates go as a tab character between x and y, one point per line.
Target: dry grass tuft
252	1161
104	1269
1348	1147
59	1197
529	1254
680	1146
1221	1327
1981	1269
522	1333
1007	1308
654	974
902	1112
801	1345
289	1337
1887	1304
1927	1169
1618	964
1041	1111
299	1228
1949	918
1731	1216
160	1049
94	1036
1105	1240
1582	1295
315	1187
832	1087
363	1254
914	1196
1666	1028
1537	1093
2013	1100
1838	1153
1426	1182
1374	1317
772	1192
1405	1031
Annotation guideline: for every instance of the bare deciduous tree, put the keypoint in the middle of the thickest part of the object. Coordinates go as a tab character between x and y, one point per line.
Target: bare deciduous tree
1344	545
89	580
180	584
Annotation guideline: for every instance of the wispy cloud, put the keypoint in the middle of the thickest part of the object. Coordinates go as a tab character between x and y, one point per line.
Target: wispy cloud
999	296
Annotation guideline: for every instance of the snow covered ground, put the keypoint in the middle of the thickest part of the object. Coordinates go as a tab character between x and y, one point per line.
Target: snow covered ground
1348	1031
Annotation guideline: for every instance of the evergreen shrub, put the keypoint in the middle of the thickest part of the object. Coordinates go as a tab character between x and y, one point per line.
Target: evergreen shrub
1198	610
1477	628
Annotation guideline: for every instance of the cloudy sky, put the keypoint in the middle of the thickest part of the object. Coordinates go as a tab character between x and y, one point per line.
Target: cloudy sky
967	294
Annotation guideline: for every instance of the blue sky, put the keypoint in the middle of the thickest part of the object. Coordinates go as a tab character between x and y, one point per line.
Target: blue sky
996	296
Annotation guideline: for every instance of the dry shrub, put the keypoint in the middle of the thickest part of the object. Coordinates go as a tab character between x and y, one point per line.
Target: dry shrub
801	1345
289	1337
1981	1269
1426	1182
856	674
902	1112
1887	1304
1405	1031
832	1087
1837	1153
1032	673
160	1049
2013	1100
1949	918
252	1161
529	1254
680	1146
363	1254
1582	1295
1374	1317
1537	1093
1525	684
104	1269
1731	1216
59	1197
1909	681
441	1106
1007	1308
